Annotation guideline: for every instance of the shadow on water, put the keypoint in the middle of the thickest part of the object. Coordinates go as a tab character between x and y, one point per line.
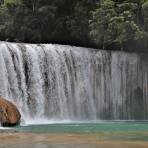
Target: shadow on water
135	104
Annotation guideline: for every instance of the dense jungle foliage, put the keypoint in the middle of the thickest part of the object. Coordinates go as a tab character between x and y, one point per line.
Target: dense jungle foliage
105	24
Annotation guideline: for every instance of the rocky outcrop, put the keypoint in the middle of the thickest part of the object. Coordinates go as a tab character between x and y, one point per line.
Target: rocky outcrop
9	114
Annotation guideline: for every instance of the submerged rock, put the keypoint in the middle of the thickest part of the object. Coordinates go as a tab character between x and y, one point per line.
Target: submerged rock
9	114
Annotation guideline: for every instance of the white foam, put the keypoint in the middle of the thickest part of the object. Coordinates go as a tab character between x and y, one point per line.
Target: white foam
57	121
4	128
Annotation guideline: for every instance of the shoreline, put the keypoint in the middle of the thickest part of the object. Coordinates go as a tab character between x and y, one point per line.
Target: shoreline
33	140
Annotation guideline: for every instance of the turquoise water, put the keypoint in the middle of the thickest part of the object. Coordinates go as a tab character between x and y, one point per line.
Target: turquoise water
125	134
127	130
125	126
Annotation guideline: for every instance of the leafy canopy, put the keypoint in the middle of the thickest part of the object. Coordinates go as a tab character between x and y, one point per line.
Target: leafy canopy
120	24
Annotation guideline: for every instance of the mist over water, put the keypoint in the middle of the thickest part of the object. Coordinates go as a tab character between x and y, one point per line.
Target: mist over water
57	82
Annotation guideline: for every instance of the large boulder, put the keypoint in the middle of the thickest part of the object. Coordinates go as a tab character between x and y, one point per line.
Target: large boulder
9	114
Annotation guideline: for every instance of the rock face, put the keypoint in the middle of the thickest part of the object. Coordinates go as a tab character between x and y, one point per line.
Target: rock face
9	114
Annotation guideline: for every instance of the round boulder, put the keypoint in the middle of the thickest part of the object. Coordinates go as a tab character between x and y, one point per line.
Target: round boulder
9	114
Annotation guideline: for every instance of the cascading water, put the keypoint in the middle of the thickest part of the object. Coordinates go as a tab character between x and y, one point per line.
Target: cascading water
64	82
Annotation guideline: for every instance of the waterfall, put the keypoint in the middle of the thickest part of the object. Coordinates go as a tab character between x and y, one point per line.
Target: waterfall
49	81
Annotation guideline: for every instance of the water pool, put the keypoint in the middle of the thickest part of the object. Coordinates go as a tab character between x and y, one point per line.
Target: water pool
112	130
113	134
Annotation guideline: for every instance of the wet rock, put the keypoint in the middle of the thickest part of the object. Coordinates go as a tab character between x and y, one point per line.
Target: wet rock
9	114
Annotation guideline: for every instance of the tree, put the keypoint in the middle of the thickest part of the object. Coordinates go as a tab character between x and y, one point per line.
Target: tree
58	21
115	24
99	24
107	24
145	13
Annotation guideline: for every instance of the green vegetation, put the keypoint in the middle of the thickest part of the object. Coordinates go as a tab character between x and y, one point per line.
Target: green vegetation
56	21
120	24
107	24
